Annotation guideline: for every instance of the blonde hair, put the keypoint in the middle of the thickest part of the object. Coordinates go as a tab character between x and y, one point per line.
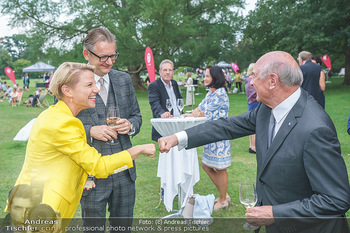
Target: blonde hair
250	69
67	74
189	74
305	55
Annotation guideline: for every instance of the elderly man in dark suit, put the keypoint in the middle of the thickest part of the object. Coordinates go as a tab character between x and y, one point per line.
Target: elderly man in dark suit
162	89
302	182
116	89
311	77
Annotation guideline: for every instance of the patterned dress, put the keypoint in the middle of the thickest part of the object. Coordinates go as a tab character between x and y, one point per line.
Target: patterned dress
216	105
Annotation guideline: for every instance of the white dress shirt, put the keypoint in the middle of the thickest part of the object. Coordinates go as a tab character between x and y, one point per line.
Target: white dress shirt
281	111
172	96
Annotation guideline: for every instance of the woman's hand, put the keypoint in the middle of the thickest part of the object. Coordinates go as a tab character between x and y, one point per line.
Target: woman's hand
146	149
198	113
149	150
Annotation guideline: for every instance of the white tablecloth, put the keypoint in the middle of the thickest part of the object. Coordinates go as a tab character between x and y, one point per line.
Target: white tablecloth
177	167
23	134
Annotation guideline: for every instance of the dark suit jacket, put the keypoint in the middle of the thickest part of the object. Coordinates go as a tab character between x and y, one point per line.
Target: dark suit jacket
311	82
125	97
157	96
302	175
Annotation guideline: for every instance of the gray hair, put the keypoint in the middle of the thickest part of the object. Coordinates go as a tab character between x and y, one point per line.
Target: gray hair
96	35
165	61
288	75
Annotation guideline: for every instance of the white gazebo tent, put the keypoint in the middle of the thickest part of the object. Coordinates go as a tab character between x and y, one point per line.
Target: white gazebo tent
224	64
39	67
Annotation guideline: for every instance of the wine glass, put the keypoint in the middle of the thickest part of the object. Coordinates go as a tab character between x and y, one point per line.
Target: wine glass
248	197
113	115
168	105
180	105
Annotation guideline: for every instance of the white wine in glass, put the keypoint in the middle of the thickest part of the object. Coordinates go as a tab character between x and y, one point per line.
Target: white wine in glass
248	197
168	104
180	105
113	115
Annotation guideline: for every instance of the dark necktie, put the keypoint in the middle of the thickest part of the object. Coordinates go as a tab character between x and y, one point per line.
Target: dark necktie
103	91
271	130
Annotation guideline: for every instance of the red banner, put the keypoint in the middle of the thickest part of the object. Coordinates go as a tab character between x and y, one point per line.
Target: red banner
150	64
327	61
11	74
234	67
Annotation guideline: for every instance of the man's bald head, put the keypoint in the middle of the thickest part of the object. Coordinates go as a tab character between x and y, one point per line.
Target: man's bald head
281	64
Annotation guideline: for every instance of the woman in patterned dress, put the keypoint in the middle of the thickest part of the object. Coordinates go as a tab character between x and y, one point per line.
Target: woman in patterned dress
216	156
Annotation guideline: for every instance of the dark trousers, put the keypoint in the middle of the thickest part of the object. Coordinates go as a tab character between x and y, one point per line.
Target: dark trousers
34	100
239	86
118	191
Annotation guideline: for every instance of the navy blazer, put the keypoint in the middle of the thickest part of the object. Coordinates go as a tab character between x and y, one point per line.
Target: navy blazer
311	81
157	96
302	174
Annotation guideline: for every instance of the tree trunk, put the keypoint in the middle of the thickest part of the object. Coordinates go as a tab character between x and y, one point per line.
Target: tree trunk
134	72
347	66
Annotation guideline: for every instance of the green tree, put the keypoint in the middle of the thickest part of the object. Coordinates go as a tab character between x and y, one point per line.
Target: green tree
315	25
19	65
188	32
16	45
5	60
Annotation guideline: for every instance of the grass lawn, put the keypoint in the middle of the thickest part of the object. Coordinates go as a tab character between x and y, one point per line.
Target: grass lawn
12	153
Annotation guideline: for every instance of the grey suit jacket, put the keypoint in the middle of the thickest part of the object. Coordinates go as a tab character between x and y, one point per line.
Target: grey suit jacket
125	97
302	175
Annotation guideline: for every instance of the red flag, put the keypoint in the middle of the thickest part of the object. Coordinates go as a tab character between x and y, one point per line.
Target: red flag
150	64
11	74
327	61
234	67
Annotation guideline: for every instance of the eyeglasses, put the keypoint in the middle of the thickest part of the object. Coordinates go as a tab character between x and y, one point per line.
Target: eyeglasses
105	58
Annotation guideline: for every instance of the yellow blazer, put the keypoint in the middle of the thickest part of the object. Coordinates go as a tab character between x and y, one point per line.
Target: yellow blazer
59	159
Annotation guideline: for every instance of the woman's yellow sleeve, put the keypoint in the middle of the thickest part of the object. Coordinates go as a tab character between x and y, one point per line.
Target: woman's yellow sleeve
70	140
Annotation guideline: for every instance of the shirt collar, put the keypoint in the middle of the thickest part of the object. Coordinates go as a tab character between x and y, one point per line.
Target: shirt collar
283	108
166	85
105	77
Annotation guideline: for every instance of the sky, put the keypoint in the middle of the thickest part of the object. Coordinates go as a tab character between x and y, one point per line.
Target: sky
8	31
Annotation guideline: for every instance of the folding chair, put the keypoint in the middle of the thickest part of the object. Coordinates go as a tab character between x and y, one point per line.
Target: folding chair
19	97
42	100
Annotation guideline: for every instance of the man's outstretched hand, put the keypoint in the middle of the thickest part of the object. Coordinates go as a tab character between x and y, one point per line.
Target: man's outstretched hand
165	143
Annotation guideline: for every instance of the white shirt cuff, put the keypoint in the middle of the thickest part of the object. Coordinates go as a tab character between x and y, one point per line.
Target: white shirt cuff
183	139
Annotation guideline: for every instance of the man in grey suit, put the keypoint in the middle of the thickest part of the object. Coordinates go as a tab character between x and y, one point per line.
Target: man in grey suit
116	89
302	182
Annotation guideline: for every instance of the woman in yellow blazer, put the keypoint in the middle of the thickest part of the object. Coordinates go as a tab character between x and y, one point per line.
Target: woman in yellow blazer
58	158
